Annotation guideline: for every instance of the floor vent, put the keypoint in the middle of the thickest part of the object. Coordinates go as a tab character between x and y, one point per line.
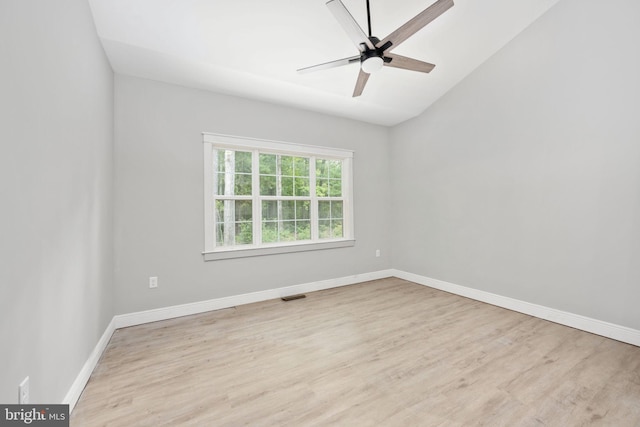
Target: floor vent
292	297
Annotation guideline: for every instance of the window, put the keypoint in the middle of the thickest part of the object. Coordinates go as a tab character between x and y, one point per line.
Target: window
264	197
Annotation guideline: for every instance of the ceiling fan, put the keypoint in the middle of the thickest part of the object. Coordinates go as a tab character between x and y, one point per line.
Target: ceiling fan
375	53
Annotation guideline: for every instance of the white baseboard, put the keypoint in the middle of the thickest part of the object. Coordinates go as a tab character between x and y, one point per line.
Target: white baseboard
85	373
141	317
598	327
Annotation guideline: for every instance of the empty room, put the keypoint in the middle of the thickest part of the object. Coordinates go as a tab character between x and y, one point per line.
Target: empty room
323	212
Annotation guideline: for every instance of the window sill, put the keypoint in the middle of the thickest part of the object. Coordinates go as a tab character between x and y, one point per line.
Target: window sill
251	252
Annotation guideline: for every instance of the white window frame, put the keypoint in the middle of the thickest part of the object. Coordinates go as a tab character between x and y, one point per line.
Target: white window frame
212	141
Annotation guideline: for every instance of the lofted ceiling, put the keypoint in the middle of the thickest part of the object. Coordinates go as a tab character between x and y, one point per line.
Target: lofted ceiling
252	48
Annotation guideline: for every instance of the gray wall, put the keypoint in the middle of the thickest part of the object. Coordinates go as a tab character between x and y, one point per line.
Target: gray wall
525	179
159	200
56	174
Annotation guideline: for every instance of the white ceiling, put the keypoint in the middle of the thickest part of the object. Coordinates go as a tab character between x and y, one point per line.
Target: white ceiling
252	48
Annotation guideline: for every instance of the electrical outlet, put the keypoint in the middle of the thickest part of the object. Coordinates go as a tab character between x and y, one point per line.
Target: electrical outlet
23	392
153	282
377	253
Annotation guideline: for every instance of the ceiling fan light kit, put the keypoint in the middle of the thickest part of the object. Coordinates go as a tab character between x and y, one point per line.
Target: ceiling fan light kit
375	53
371	64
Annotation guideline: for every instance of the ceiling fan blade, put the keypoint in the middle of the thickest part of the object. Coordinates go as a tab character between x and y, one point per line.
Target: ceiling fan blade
362	80
330	64
399	61
345	19
416	24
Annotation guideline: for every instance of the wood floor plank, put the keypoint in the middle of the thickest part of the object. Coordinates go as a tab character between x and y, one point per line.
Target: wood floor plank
387	352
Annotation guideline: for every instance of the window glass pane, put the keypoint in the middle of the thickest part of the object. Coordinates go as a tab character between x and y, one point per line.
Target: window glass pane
233	173
301	166
322	187
234	222
268	164
225	219
243	210
287	186
242	185
328	178
301	187
288	209
286	165
244	233
335	188
322	168
219	234
243	162
287	231
335	169
330	229
269	231
219	211
330	222
269	210
219	214
324	228
220	160
267	185
303	210
219	184
336	210
303	230
336	228
324	209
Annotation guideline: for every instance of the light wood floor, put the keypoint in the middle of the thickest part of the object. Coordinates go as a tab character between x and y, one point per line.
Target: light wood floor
382	353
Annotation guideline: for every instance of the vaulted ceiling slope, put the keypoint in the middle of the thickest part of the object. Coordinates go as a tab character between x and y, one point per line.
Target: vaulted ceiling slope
252	48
